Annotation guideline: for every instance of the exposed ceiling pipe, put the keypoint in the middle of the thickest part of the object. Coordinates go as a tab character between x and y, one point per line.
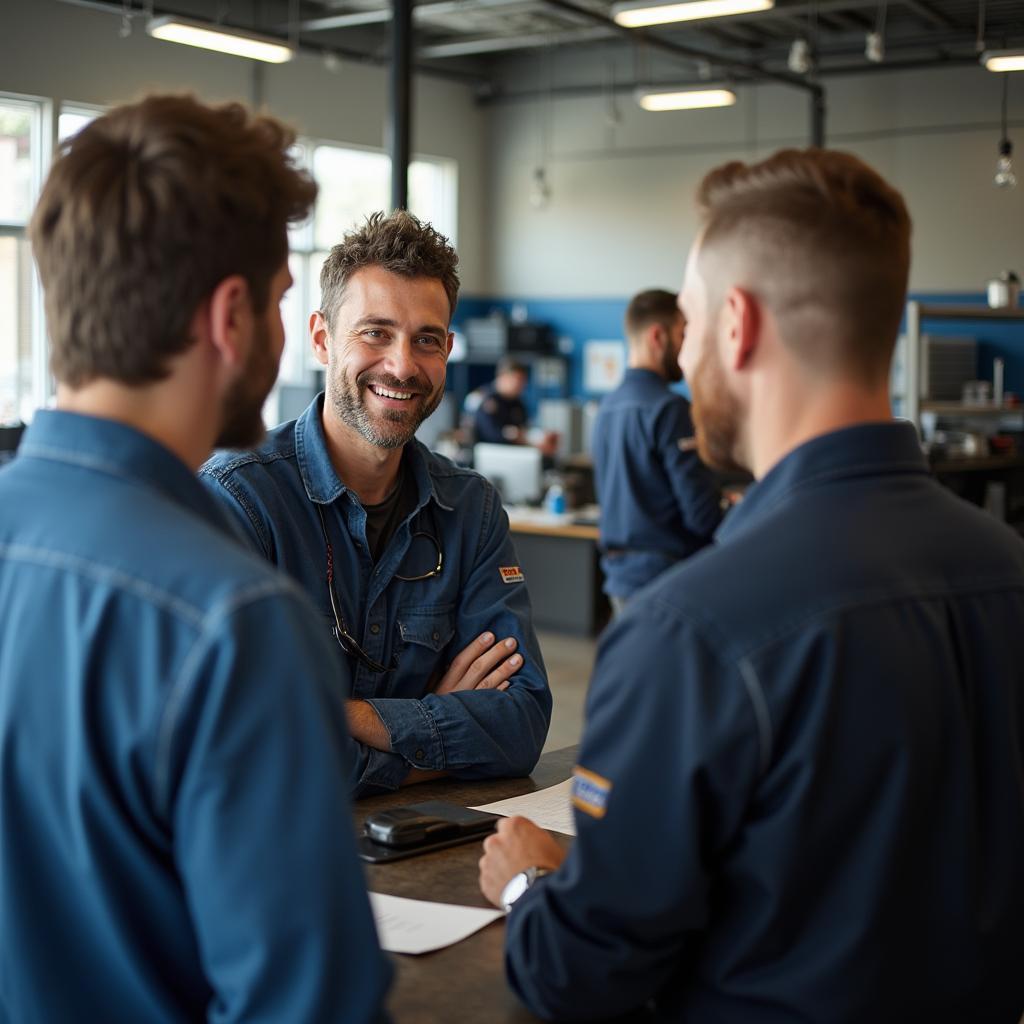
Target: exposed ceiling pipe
493	44
421	12
628	88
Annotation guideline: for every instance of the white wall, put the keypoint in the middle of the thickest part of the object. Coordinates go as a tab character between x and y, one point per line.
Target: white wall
621	215
56	50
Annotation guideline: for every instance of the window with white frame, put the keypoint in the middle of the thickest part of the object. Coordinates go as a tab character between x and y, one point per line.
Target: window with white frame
353	184
22	356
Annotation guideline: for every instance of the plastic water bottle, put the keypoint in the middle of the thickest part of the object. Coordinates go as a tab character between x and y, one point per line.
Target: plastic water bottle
554	500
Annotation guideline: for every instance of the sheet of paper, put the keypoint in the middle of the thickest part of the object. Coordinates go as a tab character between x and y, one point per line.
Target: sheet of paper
416	926
550	808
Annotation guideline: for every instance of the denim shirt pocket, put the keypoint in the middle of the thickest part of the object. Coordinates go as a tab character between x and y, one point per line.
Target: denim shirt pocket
422	635
431	628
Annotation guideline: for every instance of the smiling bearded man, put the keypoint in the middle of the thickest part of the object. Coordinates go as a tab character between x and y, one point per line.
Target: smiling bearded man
401	550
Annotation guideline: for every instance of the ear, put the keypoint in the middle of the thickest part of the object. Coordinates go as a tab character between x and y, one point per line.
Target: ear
319	336
655	338
448	350
229	320
741	320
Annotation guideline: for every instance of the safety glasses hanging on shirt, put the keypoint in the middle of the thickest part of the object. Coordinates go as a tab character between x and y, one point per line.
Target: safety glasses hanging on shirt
346	641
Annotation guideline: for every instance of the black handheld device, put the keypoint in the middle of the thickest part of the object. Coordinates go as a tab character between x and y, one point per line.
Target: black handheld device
419	828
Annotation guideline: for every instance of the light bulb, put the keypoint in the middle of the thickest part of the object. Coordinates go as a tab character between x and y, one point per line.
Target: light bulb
540	191
799	61
874	47
1005	178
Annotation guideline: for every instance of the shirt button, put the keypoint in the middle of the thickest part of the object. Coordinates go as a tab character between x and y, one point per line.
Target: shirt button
375	629
419	755
437	636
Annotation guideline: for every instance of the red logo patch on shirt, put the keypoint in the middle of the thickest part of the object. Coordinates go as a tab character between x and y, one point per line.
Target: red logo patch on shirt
511	574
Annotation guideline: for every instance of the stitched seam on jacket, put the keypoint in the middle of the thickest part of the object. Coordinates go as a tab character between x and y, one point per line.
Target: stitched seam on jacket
186	677
100	573
761	713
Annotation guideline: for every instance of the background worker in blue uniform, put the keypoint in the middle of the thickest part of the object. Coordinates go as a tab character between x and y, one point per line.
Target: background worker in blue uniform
659	502
401	550
175	835
799	794
497	412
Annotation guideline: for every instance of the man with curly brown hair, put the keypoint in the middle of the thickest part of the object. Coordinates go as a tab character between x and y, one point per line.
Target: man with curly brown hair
407	556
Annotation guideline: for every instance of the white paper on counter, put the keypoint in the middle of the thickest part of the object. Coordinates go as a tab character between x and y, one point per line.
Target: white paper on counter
417	926
549	808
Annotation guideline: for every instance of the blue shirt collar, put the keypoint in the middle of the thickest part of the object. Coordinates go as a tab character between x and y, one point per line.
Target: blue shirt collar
322	483
107	446
868	448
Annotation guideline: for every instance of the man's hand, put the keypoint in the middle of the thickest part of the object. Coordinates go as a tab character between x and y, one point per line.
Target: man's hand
517	845
483	665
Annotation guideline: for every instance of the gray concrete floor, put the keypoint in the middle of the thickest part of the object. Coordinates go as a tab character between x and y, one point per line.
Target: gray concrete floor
569	660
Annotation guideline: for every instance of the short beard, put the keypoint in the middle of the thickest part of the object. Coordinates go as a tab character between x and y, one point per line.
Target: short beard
670	368
242	423
716	413
349	403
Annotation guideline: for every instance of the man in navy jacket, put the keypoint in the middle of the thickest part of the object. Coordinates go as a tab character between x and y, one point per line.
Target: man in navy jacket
659	502
799	794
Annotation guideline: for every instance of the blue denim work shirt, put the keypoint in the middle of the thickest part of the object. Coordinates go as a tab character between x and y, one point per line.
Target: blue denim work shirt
659	502
274	493
804	750
176	842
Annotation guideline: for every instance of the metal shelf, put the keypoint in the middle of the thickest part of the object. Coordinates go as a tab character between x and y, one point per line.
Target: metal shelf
965	409
951	312
918	311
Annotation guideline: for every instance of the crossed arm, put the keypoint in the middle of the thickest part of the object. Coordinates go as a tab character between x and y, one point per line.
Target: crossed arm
485	664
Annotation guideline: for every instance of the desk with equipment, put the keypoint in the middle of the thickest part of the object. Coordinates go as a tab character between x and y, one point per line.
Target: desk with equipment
465	982
559	557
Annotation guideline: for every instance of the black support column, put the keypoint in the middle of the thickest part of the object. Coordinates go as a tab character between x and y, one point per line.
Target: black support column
818	118
400	114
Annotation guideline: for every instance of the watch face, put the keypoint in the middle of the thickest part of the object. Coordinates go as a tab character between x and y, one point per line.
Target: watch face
514	889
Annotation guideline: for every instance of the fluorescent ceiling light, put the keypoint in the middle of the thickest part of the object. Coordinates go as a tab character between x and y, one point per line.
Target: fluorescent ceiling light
224	40
1003	60
684	99
637	15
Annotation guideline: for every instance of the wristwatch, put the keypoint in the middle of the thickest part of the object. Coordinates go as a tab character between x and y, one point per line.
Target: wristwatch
518	884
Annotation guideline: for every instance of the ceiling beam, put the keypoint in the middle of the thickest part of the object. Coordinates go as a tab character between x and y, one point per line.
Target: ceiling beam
928	13
497	44
689	53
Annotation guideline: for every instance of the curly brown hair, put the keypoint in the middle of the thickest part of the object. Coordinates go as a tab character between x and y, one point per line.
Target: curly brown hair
401	244
144	213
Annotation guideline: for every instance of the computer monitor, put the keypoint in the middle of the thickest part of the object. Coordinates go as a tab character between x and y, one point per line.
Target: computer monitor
515	469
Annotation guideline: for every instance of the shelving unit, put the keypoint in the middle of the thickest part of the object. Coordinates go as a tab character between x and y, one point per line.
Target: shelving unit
916	313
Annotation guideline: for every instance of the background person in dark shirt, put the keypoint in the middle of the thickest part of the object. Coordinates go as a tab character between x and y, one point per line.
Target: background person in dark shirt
659	502
496	412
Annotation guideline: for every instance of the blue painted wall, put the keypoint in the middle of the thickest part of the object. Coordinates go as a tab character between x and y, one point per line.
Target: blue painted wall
582	320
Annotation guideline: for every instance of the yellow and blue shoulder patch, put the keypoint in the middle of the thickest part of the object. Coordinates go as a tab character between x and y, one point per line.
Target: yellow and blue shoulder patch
590	791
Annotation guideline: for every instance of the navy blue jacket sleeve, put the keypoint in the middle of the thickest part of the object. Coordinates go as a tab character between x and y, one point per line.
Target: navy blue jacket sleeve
673	732
694	486
253	774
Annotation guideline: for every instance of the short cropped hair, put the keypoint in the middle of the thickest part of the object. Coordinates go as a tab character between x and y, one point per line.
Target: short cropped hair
824	242
654	306
146	210
509	364
399	243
